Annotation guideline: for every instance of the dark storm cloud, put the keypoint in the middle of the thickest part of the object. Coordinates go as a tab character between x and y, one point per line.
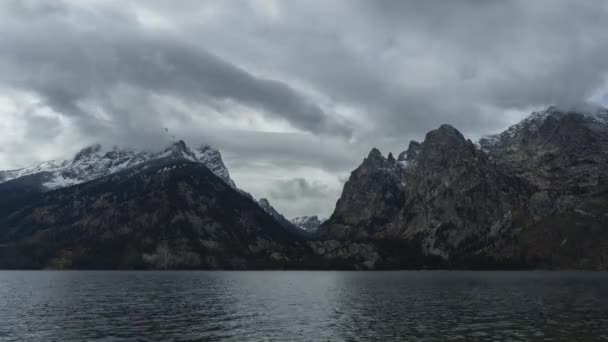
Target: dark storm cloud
298	188
331	79
406	65
68	64
402	62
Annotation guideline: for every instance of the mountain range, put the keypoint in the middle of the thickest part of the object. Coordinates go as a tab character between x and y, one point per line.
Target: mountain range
533	196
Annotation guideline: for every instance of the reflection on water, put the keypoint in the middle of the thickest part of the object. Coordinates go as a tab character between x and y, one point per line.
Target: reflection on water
303	306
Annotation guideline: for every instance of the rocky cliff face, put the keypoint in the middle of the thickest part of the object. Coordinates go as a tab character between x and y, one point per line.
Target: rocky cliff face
533	195
563	154
443	193
555	149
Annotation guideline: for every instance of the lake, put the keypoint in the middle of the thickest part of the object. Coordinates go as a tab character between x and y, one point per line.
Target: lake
303	306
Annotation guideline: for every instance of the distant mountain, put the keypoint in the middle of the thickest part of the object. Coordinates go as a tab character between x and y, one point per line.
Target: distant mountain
93	163
535	195
287	225
308	223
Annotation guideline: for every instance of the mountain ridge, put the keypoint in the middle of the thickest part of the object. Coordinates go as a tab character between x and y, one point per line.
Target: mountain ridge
165	213
92	163
533	196
493	203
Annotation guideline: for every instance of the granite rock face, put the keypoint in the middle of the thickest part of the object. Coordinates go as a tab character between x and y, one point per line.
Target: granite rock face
443	193
535	195
563	155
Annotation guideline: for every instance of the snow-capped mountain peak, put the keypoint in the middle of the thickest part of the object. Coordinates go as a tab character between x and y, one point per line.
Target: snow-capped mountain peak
178	149
93	162
212	158
590	113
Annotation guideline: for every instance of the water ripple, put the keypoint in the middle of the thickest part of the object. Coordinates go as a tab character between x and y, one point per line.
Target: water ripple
303	306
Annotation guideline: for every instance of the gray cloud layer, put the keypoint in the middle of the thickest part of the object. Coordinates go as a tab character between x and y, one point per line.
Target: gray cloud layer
67	64
297	188
304	88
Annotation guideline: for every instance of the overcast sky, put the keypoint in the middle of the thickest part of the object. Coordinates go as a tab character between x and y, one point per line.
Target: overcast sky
293	93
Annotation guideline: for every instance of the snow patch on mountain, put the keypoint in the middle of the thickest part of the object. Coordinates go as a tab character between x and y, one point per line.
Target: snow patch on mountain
48	166
212	158
593	113
93	162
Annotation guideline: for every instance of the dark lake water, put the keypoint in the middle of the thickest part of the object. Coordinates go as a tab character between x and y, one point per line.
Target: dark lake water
303	306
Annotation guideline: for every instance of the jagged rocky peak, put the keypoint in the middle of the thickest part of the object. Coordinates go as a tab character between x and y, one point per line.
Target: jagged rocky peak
401	202
375	154
372	191
526	189
408	157
441	148
179	149
446	130
375	160
446	136
212	158
553	122
93	162
556	148
411	153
